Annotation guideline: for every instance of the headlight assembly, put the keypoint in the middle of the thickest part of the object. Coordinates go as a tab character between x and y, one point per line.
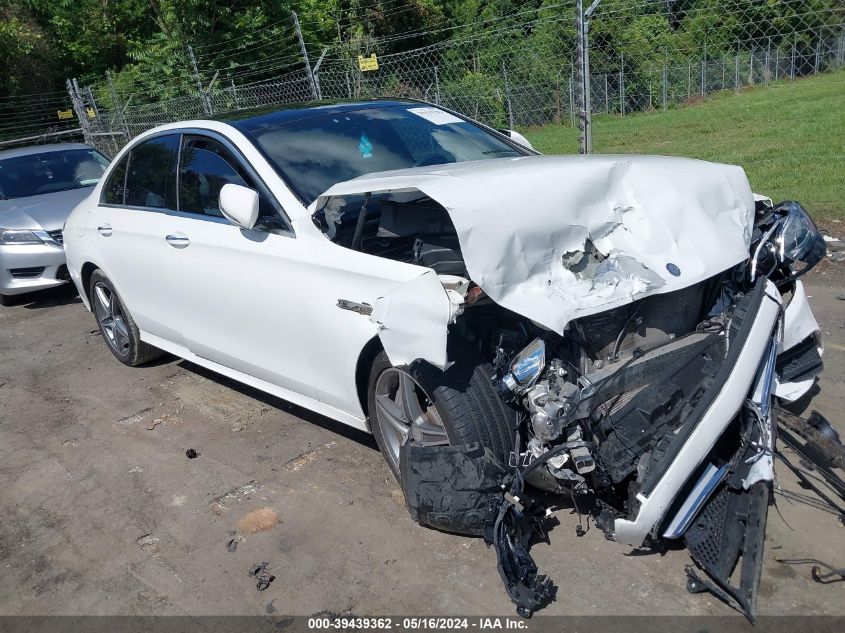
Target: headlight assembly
800	244
19	236
789	244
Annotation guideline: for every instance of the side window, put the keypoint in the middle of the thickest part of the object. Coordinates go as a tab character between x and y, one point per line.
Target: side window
150	181
114	188
205	165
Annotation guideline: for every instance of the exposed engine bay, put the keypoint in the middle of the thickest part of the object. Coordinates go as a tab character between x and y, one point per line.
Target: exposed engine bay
653	400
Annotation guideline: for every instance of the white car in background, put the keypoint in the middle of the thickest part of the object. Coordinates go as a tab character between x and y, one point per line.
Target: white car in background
615	325
39	186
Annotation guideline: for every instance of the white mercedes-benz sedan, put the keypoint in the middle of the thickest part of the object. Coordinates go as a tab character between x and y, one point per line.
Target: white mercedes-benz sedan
615	325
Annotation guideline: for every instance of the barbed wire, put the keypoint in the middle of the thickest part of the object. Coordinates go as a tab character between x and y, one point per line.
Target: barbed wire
516	69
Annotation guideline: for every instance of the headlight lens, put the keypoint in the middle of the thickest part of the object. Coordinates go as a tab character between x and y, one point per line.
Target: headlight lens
799	241
19	236
790	244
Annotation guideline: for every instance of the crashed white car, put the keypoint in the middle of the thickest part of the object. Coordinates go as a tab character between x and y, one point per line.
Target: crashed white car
503	322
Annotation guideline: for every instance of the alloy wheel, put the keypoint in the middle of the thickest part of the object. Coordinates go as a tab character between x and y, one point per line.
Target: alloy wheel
404	411
111	319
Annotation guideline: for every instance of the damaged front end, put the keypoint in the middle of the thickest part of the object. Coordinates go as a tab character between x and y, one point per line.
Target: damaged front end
640	346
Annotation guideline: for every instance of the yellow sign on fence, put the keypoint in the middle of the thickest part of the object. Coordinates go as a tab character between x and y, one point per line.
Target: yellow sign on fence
65	114
368	63
91	113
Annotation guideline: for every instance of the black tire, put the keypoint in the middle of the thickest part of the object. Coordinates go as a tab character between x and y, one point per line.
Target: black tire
466	400
128	348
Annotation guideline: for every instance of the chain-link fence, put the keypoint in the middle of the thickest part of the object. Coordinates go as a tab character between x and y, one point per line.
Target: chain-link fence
520	72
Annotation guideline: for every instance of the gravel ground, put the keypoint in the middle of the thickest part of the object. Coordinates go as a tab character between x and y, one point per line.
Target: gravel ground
102	513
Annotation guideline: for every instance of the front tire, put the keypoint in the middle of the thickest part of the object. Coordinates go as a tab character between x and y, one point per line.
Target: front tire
432	407
117	326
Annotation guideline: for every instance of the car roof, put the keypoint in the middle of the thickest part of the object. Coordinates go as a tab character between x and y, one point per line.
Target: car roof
287	113
41	149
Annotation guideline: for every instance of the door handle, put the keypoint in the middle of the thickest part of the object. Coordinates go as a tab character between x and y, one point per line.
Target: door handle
105	230
177	240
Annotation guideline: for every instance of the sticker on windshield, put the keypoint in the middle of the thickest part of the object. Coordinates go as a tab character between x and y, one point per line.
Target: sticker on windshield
365	147
435	115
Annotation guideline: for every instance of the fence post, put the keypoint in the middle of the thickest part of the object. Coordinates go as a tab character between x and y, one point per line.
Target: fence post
703	68
840	53
580	77
768	54
751	69
117	105
79	109
665	87
507	94
622	83
777	61
92	101
205	104
792	63
235	94
689	79
436	86
817	60
304	51
571	99
736	74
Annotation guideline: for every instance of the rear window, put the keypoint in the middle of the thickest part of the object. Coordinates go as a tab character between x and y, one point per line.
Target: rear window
151	180
49	172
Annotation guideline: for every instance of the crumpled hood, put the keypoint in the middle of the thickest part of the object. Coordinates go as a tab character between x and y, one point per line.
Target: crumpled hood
554	238
47	211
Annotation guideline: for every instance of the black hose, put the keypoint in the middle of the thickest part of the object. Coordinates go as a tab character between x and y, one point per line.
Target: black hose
621	335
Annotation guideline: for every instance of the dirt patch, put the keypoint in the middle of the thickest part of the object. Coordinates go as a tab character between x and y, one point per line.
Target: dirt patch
259	520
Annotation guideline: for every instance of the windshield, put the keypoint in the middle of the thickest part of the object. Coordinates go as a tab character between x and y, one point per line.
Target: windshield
315	153
48	172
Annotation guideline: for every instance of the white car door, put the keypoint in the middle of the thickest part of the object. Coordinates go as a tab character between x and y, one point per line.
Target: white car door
265	302
141	190
232	287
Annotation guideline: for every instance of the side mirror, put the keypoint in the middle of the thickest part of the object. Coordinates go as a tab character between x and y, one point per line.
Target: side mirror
239	204
519	138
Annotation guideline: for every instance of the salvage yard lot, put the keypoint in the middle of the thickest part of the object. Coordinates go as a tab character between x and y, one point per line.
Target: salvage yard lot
101	512
789	137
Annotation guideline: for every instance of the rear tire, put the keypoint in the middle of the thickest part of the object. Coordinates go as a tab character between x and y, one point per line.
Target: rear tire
466	403
117	326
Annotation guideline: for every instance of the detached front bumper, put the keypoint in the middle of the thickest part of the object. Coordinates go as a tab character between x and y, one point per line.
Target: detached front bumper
714	412
30	267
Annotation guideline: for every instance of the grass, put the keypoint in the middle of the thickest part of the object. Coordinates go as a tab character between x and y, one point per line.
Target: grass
789	137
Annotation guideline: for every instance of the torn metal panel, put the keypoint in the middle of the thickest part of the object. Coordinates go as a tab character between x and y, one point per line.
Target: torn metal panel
717	411
800	328
644	225
413	320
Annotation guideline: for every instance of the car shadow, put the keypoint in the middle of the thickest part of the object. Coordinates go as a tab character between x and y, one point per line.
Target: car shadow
65	294
283	405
